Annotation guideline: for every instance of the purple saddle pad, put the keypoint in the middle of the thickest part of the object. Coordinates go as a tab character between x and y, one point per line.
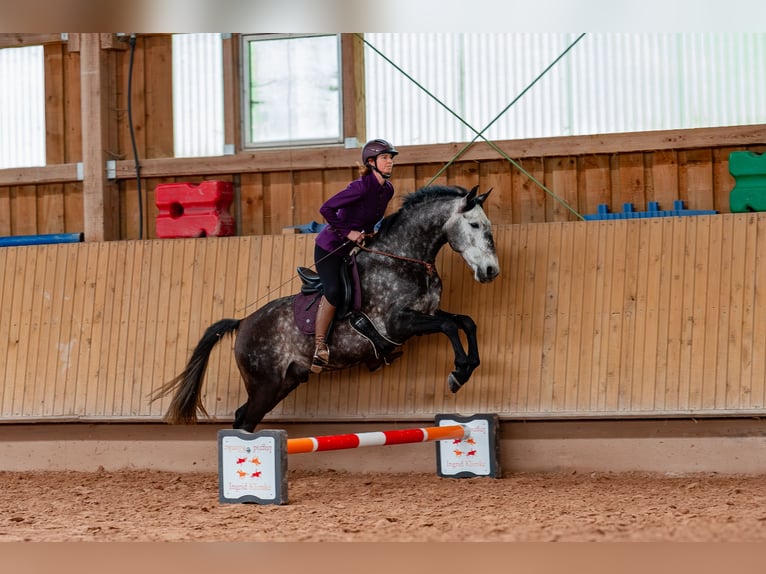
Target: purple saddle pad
305	312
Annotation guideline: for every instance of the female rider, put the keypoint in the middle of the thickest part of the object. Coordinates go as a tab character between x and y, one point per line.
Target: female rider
350	214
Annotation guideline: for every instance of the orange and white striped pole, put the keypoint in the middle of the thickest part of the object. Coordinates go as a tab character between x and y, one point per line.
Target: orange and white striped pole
381	438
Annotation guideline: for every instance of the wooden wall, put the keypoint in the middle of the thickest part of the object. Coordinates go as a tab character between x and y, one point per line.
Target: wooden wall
625	318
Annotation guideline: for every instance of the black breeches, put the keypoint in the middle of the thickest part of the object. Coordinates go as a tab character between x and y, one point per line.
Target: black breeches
328	266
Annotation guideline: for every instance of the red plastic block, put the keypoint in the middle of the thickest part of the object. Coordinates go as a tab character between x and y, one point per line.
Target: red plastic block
189	210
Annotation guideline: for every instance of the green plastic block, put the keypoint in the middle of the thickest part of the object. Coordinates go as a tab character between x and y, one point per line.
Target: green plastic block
749	191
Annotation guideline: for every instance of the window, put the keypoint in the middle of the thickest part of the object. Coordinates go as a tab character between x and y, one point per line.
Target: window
22	107
292	90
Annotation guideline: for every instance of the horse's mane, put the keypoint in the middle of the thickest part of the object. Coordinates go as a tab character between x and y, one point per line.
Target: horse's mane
419	197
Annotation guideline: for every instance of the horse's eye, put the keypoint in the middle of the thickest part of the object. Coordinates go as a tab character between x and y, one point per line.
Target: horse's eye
475	225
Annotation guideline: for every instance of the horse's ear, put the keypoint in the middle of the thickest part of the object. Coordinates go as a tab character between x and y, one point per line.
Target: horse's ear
482	198
470	199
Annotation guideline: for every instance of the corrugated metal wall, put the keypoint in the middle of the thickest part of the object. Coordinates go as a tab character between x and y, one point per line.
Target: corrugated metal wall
622	318
198	95
22	107
607	83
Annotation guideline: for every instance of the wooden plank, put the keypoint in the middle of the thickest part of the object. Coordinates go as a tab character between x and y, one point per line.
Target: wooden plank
222	249
723	181
99	338
252	206
7	292
529	198
758	377
44	372
232	123
594	183
496	175
704	358
24	210
585	378
628	346
662	177
5	211
99	194
18	39
616	317
66	282
718	311
695	179
307	196
628	184
114	320
681	289
20	267
567	317
29	331
730	387
77	385
561	179
649	305
548	309
577	330
353	82
745	324
158	97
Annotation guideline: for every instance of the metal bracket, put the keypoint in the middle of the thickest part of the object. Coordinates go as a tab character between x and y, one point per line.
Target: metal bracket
80	171
111	169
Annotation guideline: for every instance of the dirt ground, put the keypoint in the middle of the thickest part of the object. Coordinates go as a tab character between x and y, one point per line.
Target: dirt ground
332	506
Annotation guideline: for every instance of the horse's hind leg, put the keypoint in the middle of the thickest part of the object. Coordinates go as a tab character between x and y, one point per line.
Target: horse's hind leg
263	394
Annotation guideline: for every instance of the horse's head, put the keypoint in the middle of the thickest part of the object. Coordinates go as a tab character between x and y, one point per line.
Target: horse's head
469	232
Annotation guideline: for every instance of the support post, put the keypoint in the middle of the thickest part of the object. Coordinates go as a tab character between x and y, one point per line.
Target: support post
100	199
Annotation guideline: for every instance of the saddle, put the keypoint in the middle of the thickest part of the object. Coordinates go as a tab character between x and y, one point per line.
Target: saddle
306	304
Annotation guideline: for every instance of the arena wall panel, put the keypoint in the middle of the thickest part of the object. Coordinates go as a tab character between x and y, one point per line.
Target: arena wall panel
623	318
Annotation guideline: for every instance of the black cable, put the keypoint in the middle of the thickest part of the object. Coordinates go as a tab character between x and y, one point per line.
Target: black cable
133	138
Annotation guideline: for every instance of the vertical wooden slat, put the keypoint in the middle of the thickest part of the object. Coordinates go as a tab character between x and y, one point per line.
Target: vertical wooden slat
617	320
50	327
704	355
117	310
561	176
635	251
758	384
695	181
714	384
550	288
729	389
744	354
694	283
673	313
594	182
99	338
585	377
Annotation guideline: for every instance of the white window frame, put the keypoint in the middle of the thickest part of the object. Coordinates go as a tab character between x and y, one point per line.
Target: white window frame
247	141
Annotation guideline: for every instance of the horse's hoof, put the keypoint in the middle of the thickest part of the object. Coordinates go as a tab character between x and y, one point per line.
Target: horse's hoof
454	384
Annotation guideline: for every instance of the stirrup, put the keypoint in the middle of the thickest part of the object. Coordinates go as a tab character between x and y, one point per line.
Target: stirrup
321	358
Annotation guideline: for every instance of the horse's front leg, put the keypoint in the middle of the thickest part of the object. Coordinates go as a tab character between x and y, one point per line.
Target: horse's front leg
422	324
468	325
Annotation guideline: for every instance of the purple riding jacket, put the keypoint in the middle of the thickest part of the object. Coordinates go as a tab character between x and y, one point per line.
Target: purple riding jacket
358	207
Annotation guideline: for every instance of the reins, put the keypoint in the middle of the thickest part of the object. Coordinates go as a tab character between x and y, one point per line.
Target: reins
429	266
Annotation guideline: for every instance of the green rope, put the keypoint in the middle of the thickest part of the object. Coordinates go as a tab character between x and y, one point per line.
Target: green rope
480	134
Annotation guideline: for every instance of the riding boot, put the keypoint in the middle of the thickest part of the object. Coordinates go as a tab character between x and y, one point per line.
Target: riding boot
325	314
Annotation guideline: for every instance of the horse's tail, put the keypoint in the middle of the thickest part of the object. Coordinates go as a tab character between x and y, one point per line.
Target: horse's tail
187	399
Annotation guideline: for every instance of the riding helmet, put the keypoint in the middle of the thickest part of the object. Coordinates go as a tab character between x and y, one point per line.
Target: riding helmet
374	148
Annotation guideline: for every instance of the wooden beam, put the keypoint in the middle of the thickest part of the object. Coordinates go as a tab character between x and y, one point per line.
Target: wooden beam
16	40
352	58
60	173
232	90
100	204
